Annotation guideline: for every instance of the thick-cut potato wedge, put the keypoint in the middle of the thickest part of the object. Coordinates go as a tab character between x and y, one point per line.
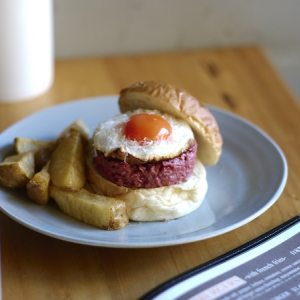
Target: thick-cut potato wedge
79	126
67	163
42	149
17	170
42	156
23	144
97	210
38	187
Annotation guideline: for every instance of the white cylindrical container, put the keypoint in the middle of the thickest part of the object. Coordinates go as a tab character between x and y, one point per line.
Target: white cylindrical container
26	49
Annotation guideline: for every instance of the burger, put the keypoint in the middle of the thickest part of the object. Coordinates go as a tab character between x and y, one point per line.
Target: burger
152	154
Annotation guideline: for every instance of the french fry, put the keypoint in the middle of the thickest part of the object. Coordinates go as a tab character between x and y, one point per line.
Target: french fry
22	144
42	156
79	126
67	163
56	169
17	170
42	149
38	187
97	210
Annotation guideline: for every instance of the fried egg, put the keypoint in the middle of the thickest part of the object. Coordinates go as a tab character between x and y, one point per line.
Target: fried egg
148	141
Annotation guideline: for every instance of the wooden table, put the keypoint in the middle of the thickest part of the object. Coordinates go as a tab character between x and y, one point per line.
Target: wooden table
239	80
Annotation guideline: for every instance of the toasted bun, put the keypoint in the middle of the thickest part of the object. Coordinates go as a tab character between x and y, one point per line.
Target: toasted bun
177	102
158	204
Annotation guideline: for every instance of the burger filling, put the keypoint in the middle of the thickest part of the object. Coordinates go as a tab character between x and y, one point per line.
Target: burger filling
144	149
147	175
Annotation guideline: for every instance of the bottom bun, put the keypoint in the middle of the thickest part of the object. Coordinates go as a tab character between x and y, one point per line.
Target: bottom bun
157	204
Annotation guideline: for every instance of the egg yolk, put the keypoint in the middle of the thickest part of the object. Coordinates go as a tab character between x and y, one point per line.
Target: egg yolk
147	127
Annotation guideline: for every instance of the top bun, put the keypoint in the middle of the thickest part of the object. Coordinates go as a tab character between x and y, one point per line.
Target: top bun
179	103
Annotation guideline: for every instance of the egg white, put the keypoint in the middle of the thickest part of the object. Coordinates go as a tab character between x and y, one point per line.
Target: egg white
109	136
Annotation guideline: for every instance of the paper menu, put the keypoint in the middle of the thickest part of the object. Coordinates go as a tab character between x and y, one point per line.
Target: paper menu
266	268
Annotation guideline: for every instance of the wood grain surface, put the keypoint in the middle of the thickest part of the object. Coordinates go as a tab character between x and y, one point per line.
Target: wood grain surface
239	80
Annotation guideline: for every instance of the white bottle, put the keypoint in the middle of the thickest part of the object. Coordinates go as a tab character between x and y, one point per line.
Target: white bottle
26	49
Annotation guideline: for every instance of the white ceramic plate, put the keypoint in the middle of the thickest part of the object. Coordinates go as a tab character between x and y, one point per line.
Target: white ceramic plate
247	180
